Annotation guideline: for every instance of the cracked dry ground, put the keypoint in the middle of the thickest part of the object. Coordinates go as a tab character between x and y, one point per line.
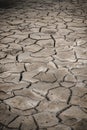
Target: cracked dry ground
43	65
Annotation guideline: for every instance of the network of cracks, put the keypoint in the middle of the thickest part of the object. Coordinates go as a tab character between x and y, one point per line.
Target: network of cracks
43	65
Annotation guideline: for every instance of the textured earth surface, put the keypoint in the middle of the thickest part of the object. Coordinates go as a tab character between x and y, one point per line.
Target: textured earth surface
43	65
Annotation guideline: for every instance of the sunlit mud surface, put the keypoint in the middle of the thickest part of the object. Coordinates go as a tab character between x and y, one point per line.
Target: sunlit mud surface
43	65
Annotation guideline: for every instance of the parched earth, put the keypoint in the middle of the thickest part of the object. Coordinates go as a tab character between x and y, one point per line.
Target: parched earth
43	65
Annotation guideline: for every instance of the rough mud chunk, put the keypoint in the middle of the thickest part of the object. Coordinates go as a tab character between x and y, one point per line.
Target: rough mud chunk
59	94
22	103
46	119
